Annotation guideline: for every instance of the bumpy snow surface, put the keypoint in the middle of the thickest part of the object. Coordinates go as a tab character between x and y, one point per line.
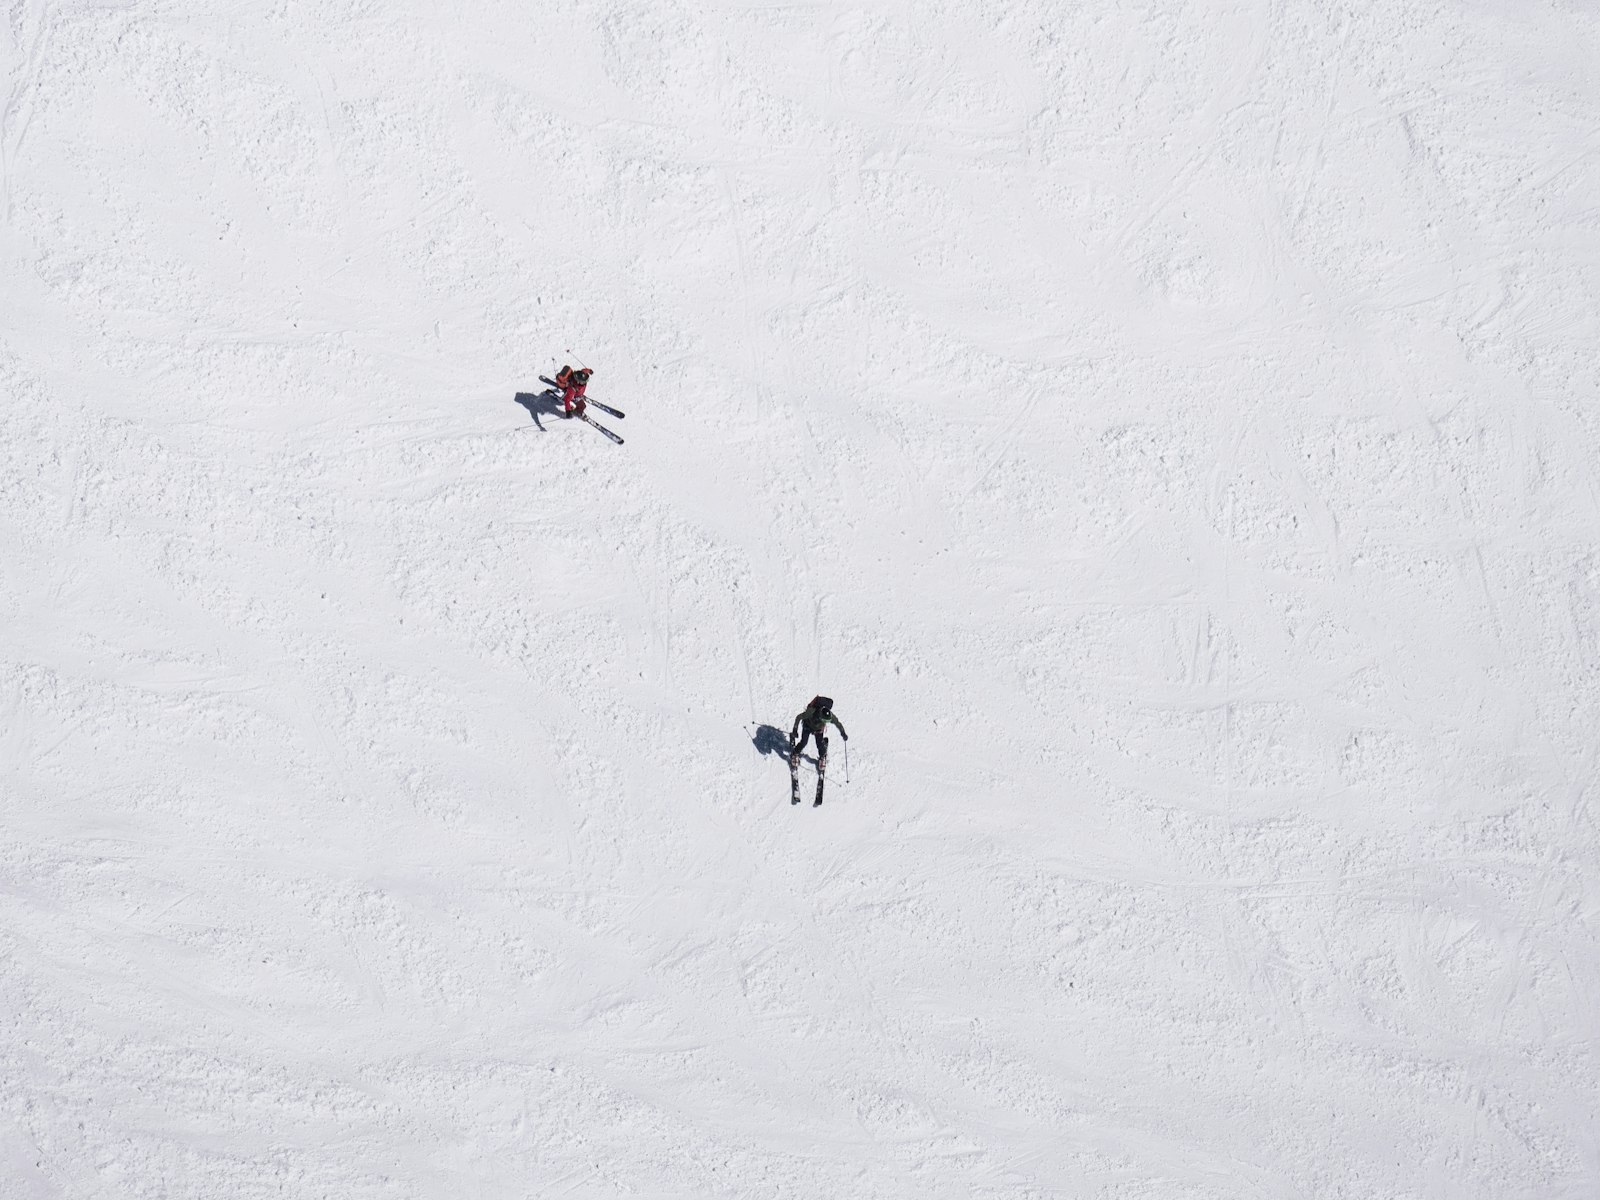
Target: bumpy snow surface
1168	431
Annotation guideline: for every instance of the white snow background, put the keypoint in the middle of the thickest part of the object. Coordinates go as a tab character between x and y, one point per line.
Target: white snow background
1167	430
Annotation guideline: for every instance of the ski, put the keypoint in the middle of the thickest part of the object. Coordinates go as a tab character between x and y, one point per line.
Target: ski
584	417
794	779
605	408
822	767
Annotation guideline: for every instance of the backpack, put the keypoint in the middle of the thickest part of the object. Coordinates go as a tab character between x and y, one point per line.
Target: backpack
820	706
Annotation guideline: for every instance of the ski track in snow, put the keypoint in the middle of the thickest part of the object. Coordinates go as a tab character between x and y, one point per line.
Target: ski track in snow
1168	434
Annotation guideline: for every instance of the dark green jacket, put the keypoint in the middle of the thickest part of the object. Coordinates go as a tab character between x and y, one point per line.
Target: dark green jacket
814	723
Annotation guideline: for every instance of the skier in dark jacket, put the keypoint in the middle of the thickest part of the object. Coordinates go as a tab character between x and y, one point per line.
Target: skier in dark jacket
572	384
815	720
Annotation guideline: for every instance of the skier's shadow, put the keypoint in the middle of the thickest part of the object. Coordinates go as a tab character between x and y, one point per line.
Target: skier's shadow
546	402
769	739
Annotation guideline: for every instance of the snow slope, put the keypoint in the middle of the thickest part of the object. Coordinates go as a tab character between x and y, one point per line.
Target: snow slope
1167	430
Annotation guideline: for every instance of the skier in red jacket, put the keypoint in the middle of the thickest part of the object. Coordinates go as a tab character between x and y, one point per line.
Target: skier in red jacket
572	384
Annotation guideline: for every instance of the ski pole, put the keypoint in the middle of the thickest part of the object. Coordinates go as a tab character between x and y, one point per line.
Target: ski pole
847	760
577	360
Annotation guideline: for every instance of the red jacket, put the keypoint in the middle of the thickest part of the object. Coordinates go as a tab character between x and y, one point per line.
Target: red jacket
571	383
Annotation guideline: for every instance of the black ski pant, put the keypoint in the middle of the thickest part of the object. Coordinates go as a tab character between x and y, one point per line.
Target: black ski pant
806	734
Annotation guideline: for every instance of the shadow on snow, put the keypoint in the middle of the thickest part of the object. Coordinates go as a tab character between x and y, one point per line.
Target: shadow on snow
769	739
546	402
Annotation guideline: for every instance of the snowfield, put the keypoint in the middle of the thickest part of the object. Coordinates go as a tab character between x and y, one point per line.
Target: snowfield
1168	431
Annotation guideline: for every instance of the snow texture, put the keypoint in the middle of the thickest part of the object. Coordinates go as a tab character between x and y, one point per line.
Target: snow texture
1168	431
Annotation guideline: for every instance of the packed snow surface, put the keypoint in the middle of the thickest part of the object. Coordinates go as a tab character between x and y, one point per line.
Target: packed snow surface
1168	431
